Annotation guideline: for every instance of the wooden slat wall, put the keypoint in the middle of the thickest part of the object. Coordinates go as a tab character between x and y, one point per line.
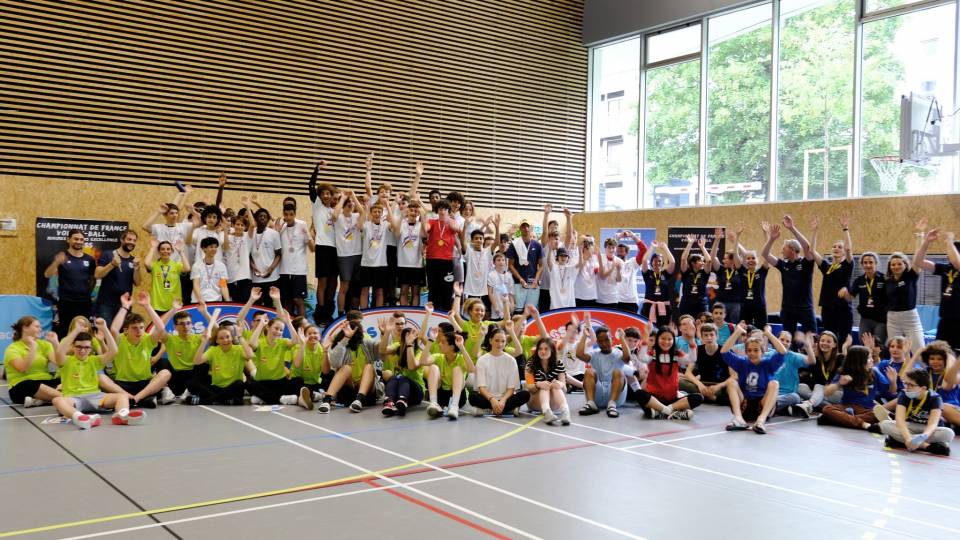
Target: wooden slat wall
492	95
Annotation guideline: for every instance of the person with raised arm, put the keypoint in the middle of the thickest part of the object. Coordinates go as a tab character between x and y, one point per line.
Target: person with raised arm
609	275
133	364
214	226
731	289
585	287
835	309
447	372
374	272
563	276
901	289
350	368
119	272
75	272
604	382
694	275
225	354
165	273
209	274
948	328
269	383
306	369
237	258
175	227
627	298
265	254
27	361
658	265
756	377
477	262
81	397
323	199
754	270
796	275
181	348
409	232
861	383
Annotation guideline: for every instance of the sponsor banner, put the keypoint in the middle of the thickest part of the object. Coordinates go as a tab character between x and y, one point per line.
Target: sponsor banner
647	235
372	317
51	239
228	312
614	320
14	306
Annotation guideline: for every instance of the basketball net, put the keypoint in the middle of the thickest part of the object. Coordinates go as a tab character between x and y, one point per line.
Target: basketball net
889	169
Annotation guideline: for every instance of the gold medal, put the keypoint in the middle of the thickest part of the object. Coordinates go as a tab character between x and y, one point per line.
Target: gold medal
374	244
440	242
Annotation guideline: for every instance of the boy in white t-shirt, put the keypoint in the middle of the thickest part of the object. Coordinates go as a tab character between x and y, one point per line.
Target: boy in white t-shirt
347	215
563	277
373	261
608	275
210	275
500	288
409	234
295	241
478	260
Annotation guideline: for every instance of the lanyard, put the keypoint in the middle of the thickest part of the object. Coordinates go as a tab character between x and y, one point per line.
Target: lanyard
696	278
833	267
911	411
751	275
869	284
165	271
935	383
729	274
823	368
951	275
656	278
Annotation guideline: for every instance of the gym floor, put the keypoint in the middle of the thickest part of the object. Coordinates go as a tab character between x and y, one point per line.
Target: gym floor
240	472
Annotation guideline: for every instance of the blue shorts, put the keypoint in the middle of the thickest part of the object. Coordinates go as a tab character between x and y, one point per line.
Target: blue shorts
601	395
525	296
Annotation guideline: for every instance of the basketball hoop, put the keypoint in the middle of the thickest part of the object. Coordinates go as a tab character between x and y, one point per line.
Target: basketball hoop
889	169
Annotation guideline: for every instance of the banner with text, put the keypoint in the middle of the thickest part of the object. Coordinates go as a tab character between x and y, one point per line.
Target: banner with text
51	236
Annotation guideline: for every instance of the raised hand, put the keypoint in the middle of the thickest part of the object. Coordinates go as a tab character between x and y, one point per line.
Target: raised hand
702	241
532	309
178	245
222	181
845	380
418	168
921	225
51	337
256	293
567	212
508	324
844	221
932	235
788	221
868	341
274	293
718	233
458	339
740	228
621	335
369	161
349	330
765	226
100	323
547	208
176	305
428	307
691	238
815	223
891	373
322	164
125	301
774	232
143	298
457	288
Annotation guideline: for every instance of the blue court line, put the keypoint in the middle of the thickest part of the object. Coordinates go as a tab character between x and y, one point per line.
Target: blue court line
209	449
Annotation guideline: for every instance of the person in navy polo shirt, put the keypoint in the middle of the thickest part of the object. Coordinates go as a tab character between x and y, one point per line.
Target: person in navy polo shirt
118	272
796	273
75	276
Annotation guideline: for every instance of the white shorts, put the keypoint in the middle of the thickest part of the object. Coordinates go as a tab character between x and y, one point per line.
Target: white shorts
88	403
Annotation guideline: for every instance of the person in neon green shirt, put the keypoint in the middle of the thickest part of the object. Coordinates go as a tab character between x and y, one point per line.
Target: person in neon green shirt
27	361
181	346
446	375
307	368
474	325
349	368
223	384
133	363
80	381
404	386
165	273
270	382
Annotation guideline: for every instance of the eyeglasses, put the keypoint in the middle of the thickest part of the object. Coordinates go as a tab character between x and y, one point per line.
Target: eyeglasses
182	323
911	385
82	347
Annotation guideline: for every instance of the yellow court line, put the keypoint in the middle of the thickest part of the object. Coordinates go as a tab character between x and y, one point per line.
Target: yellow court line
262	494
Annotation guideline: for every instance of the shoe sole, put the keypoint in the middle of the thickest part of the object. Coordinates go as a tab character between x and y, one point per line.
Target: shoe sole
307	398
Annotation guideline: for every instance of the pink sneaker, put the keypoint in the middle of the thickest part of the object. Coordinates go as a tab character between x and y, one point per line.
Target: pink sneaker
131	419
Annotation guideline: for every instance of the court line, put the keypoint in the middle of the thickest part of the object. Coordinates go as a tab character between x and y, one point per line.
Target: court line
711	434
303	487
792	491
28	416
773	468
453	517
478	482
379	474
251	509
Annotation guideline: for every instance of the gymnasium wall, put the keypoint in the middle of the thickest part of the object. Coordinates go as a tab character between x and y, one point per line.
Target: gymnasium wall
492	95
26	198
881	224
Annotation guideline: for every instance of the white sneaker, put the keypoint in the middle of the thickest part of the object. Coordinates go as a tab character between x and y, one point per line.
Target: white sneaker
356	406
306	399
185	396
550	418
167	396
324	407
565	416
878	410
434	410
254	400
805	409
288	400
453	412
32	402
685	414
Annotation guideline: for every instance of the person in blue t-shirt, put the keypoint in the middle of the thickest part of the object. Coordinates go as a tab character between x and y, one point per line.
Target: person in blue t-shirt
918	414
860	382
118	272
75	278
604	383
756	378
944	371
789	400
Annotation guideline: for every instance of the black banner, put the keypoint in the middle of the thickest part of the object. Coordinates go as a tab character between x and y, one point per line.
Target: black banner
677	240
52	239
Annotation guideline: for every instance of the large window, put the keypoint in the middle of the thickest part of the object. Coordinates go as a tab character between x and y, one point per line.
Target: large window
672	119
776	100
614	143
815	112
903	54
738	105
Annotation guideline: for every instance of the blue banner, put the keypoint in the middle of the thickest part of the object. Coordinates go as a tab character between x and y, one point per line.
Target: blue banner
12	307
228	312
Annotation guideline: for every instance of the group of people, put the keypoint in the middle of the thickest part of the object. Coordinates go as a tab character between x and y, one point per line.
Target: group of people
709	340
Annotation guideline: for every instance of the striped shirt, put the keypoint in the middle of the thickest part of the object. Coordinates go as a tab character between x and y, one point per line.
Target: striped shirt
553	372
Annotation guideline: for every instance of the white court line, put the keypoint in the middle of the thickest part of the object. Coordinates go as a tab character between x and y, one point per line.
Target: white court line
805	494
769	467
251	509
471	480
380	476
29	416
711	434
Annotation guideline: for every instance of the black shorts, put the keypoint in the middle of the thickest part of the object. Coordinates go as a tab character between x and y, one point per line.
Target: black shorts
132	387
349	267
374	277
751	408
347	394
410	276
293	286
29	388
264	287
325	261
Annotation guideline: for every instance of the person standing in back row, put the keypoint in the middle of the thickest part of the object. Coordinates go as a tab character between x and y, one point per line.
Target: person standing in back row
835	310
526	264
75	276
118	272
796	274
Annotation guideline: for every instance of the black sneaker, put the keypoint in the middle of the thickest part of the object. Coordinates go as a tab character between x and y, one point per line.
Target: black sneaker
401	407
148	403
192	400
890	442
938	449
874	428
388	409
235	401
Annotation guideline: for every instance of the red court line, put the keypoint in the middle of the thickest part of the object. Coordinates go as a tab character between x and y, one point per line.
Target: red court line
440	511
